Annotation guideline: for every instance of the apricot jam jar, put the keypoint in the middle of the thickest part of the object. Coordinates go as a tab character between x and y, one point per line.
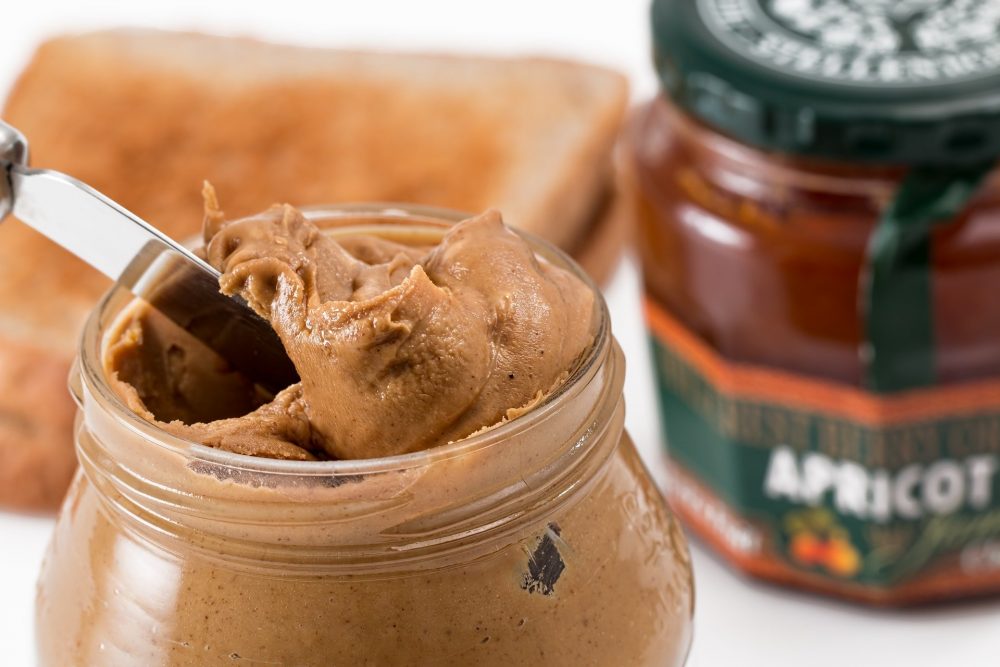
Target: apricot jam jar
818	216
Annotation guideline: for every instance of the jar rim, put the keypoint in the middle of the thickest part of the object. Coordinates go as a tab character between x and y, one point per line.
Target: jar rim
90	368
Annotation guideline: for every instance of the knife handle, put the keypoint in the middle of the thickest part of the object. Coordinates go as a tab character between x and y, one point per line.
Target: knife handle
13	151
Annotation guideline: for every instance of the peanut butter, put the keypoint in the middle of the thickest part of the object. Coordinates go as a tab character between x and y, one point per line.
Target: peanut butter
399	348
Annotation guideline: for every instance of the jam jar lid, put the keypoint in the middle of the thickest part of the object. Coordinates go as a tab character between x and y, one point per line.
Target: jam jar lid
913	82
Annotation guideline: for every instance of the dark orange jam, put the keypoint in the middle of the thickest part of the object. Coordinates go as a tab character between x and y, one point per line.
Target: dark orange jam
760	254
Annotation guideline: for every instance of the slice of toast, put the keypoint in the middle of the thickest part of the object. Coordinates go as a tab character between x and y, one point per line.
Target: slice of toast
146	116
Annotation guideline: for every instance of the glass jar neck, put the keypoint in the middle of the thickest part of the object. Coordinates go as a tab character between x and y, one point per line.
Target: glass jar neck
455	501
753	172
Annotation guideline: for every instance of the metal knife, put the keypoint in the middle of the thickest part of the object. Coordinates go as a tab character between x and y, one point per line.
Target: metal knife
142	259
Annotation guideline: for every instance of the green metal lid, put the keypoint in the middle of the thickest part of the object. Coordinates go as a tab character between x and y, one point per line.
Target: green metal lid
912	82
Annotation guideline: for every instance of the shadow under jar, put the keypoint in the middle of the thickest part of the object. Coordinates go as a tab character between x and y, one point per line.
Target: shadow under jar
540	541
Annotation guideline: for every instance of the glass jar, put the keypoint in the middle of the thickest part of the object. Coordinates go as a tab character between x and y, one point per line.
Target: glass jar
761	254
817	204
542	540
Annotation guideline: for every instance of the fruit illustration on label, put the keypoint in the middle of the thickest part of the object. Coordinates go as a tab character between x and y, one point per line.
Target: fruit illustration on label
807	549
816	540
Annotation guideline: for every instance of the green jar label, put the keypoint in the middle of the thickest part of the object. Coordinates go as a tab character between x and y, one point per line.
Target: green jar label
886	498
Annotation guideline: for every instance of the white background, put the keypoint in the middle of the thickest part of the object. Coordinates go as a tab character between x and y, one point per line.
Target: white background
737	622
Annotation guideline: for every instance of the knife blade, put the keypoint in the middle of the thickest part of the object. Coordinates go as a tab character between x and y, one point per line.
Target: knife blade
153	266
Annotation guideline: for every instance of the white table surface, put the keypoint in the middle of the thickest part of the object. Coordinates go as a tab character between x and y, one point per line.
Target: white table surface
738	622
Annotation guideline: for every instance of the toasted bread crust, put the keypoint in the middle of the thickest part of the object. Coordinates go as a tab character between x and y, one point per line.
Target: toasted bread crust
600	249
36	427
146	116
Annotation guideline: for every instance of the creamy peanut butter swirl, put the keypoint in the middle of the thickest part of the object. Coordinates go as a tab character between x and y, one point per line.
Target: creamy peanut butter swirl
399	348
